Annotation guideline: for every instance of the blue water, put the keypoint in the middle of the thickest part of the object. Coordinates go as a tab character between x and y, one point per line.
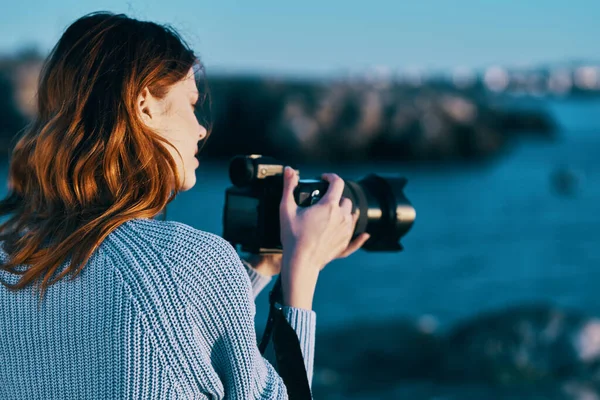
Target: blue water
485	236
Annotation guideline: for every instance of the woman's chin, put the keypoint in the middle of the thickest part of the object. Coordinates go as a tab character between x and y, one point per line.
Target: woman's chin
188	184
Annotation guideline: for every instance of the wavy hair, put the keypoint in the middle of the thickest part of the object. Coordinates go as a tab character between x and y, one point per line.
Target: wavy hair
88	163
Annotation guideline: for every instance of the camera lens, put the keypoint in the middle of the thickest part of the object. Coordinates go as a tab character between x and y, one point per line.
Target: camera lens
385	212
241	171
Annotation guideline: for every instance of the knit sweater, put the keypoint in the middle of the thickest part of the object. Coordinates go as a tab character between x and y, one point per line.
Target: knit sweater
160	311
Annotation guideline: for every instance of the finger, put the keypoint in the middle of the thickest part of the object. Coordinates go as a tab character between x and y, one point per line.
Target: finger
290	181
355	245
335	189
346	206
355	216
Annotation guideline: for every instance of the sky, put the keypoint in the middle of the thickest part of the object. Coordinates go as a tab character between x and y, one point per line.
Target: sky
340	36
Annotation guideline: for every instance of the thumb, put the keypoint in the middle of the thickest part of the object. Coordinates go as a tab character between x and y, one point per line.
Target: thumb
290	181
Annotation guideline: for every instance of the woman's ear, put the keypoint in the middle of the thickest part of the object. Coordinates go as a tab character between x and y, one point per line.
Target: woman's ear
147	107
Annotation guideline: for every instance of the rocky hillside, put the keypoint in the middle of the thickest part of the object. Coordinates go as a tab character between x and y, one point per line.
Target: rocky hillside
327	121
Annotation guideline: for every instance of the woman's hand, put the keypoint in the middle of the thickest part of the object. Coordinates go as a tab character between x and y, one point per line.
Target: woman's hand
270	264
313	236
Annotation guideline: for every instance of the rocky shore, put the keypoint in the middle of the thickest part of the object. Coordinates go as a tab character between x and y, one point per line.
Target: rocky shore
324	121
526	351
342	121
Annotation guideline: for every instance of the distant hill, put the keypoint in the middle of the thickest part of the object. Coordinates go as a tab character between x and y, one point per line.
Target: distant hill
317	120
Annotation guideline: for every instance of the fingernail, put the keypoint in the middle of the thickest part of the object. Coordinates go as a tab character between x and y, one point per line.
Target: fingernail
287	171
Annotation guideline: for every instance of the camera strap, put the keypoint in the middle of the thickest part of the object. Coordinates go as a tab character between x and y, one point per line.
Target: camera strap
288	354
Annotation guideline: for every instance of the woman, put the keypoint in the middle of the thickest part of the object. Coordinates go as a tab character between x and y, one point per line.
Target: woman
150	309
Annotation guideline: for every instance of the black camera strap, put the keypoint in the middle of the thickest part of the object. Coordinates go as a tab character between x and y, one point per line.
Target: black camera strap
288	354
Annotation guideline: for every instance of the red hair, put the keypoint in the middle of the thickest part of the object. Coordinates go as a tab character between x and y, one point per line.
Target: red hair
87	163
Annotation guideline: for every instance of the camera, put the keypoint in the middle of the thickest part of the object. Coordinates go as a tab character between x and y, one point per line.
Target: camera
251	212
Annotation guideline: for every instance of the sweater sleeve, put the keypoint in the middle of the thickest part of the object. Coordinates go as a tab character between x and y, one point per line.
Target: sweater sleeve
225	305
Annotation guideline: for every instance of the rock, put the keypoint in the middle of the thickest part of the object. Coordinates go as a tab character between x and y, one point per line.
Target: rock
11	118
353	121
334	121
518	345
372	356
531	351
530	122
565	181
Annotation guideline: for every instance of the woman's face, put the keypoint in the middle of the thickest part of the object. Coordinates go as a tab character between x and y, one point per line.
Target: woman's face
173	117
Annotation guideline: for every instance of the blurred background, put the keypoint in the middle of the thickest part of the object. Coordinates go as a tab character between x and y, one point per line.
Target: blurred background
492	112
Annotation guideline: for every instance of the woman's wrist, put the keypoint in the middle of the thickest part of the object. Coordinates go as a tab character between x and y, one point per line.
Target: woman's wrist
298	297
298	283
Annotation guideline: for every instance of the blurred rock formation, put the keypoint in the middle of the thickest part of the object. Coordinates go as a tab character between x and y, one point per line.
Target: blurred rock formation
323	121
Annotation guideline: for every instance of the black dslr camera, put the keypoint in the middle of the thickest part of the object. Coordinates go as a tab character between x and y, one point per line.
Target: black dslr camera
251	214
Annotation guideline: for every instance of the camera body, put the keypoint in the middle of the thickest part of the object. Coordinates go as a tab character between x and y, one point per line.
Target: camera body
251	213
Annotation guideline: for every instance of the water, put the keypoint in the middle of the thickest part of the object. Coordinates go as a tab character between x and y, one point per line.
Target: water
485	236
